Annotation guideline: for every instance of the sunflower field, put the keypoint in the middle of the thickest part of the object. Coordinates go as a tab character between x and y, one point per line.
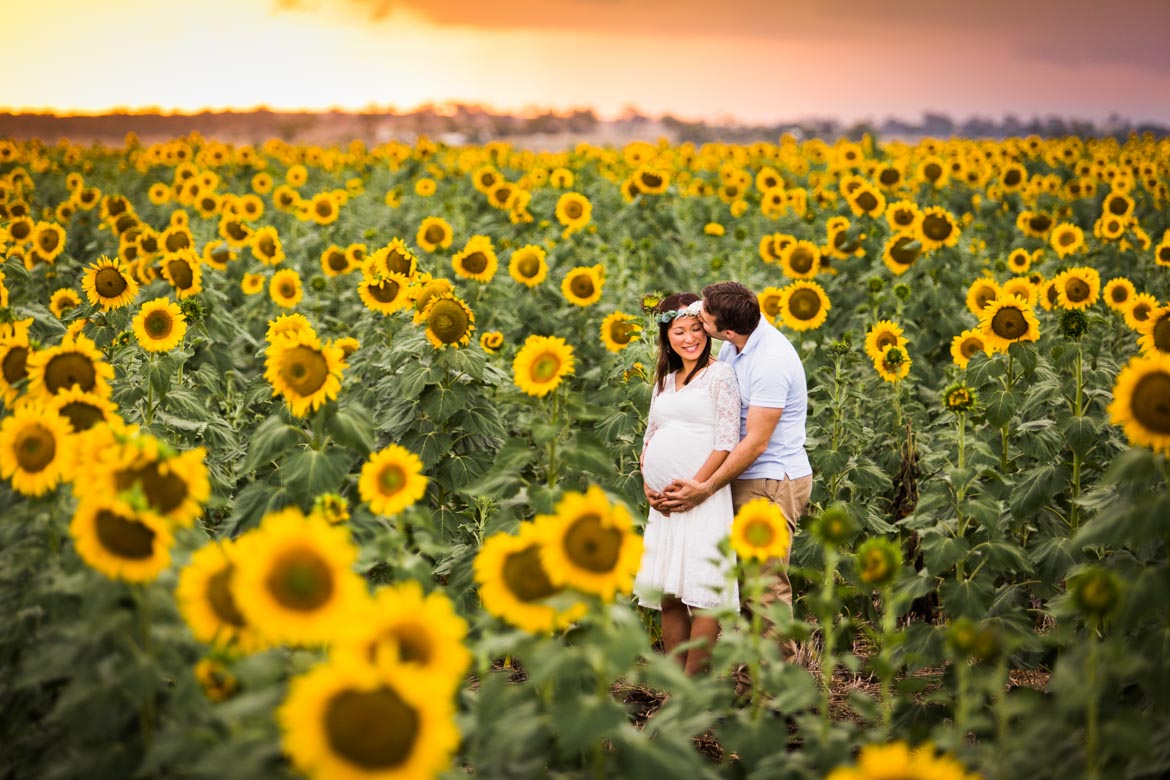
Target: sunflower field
323	462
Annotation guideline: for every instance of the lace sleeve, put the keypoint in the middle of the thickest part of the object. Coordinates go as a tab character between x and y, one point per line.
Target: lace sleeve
651	423
725	393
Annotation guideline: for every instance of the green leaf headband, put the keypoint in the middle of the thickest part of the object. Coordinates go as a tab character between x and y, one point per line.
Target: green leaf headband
691	310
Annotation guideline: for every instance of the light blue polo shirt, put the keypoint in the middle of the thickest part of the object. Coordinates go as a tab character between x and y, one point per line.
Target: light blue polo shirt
771	375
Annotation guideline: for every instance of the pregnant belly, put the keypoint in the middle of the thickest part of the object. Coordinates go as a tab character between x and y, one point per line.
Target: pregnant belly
675	453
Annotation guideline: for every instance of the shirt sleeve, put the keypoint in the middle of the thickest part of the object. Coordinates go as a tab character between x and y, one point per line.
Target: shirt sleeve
768	386
725	393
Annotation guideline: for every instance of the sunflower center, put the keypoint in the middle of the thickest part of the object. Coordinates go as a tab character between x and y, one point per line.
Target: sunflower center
1150	402
375	730
1066	238
621	332
15	365
337	261
801	260
889	176
937	227
36	446
235	230
867	201
1040	223
287	289
528	266
525	576
651	180
164	492
434	234
397	262
884	340
300	580
267	246
48	240
805	304
1009	323
591	546
771	305
1164	253
123	536
1118	206
1012	177
324	208
413	646
81	415
545	368
304	369
985	296
68	369
1140	311
391	479
1076	290
969	347
109	282
573	210
759	533
448	321
20	231
158	324
1119	294
932	171
903	217
900	254
384	291
1162	334
874	566
582	286
475	263
219	596
177	241
181	274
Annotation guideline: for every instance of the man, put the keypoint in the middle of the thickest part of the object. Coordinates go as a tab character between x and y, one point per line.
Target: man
769	460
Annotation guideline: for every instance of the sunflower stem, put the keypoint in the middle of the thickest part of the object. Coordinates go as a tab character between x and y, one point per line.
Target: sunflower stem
1092	729
1078	410
756	643
146	713
148	412
828	634
889	625
552	442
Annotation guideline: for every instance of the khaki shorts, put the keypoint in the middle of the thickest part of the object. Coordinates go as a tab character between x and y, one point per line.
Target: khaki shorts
791	495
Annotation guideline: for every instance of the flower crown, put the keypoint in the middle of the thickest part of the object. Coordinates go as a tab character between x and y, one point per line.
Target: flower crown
691	310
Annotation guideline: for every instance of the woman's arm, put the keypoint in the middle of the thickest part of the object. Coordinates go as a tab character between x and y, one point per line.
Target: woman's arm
710	465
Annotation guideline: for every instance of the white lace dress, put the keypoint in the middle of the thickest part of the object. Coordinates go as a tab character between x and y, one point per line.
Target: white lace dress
681	552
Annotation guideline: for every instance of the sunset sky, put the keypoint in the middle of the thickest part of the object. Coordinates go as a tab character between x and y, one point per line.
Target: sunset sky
751	60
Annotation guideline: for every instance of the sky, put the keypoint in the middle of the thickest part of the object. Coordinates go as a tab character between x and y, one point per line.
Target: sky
751	61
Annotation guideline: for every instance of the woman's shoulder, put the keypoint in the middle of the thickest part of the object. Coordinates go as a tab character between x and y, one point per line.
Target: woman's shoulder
720	370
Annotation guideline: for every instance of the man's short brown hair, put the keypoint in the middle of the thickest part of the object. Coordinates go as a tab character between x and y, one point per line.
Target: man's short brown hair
733	306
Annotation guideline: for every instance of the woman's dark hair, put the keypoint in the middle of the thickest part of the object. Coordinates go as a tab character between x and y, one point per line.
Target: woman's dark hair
668	359
733	306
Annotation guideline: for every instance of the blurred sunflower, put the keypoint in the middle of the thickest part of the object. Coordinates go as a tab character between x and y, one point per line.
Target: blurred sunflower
902	215
120	542
392	480
1155	332
159	325
760	532
1019	261
184	270
1006	321
1077	288
582	285
650	181
541	364
62	301
980	294
387	293
1066	239
334	263
879	561
83	410
843	240
234	231
1141	402
34	449
1139	311
420	631
937	228
251	284
49	240
305	372
1022	288
491	341
1034	224
423	290
76	361
900	252
266	246
285	288
1117	204
449	321
1162	251
1119	293
800	260
204	597
574	211
894	363
434	233
14	351
176	238
216	254
866	201
527	265
590	545
323	208
619	330
484	178
897	760
769	299
883	334
346	719
804	305
968	344
216	679
294	580
477	260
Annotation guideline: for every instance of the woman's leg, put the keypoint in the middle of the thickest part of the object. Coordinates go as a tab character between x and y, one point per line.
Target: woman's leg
705	628
676	626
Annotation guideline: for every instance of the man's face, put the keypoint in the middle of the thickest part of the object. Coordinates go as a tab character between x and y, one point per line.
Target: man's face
708	321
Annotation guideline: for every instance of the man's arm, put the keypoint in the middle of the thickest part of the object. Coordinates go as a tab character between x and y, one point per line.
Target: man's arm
685	494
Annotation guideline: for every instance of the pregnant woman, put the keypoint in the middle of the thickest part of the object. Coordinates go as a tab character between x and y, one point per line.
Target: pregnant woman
693	424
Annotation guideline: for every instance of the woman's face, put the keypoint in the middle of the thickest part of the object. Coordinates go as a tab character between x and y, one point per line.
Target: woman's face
687	337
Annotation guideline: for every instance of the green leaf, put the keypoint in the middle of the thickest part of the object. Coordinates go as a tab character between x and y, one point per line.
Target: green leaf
441	402
430	446
943	552
586	452
351	426
1001	407
309	473
1036	488
969	598
272	439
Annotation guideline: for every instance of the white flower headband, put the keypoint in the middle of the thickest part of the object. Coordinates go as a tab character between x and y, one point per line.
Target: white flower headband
691	310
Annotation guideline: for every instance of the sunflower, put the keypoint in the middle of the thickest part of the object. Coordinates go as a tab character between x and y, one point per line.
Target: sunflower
541	364
48	238
982	292
348	720
1013	176
590	545
1119	293
804	305
864	200
1077	288
959	398
1117	204
421	632
1141	402
159	325
574	211
491	341
843	240
937	228
266	246
1155	338
62	301
879	561
896	760
528	266
387	293
14	351
20	230
882	335
1021	287
760	531
34	449
477	260
1019	261
934	170
334	262
184	270
434	233
109	284
235	231
903	215
582	285
304	371
294	579
800	260
177	237
394	258
1007	320
251	284
323	208
1139	311
288	324
449	321
619	330
296	175
285	288
894	364
900	253
650	181
217	255
769	299
423	290
83	410
75	361
1162	251
484	178
514	584
1066	239
120	542
392	480
204	597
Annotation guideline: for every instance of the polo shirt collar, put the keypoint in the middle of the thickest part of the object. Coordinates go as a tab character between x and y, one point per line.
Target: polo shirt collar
754	338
